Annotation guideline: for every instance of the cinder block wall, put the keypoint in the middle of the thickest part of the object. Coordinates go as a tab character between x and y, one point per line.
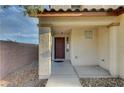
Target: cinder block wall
15	55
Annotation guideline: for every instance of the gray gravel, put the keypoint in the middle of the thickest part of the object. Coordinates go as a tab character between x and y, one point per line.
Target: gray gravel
102	82
24	77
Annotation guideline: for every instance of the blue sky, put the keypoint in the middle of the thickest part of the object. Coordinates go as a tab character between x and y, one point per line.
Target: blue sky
15	26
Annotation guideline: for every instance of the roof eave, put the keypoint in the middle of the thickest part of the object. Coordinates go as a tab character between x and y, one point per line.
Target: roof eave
78	13
75	14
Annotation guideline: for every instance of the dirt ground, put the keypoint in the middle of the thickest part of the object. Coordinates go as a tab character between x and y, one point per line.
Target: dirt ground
24	77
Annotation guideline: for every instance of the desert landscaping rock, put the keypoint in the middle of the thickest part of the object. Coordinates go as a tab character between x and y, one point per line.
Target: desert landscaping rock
102	82
24	77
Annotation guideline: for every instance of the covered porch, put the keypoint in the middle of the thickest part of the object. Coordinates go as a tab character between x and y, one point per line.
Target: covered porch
90	44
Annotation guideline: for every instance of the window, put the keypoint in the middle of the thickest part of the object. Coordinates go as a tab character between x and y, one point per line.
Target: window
88	34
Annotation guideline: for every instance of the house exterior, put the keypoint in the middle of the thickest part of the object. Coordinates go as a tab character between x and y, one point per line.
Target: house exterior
85	35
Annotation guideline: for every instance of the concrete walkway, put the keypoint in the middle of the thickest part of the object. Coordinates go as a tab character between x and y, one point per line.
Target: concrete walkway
63	75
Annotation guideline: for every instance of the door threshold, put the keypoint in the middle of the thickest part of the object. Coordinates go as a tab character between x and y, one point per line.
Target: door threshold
58	60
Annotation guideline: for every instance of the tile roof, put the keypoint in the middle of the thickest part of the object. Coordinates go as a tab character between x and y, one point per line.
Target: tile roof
84	12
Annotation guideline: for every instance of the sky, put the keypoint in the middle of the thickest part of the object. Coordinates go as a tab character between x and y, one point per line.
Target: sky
15	26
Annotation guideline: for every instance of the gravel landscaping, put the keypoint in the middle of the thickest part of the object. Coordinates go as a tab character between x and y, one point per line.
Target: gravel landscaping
102	82
24	77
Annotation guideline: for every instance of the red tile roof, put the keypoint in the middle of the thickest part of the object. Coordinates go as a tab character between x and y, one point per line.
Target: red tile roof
84	12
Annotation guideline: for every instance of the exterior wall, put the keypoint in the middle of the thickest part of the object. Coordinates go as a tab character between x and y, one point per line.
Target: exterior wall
103	47
44	52
121	46
83	51
113	50
15	55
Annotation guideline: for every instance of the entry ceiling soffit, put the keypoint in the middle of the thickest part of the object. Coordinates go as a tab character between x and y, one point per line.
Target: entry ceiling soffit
78	12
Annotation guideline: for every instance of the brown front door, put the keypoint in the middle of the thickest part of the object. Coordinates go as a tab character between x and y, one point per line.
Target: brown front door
59	47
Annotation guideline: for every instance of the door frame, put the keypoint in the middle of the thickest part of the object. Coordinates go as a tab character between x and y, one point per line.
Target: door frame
63	48
53	48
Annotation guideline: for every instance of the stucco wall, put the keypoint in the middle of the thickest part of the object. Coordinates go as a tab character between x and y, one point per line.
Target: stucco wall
15	55
121	46
44	52
113	50
83	51
103	47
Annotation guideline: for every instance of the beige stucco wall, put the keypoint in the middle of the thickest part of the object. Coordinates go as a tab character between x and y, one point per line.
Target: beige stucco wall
101	50
44	52
83	51
107	52
103	47
121	46
113	50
